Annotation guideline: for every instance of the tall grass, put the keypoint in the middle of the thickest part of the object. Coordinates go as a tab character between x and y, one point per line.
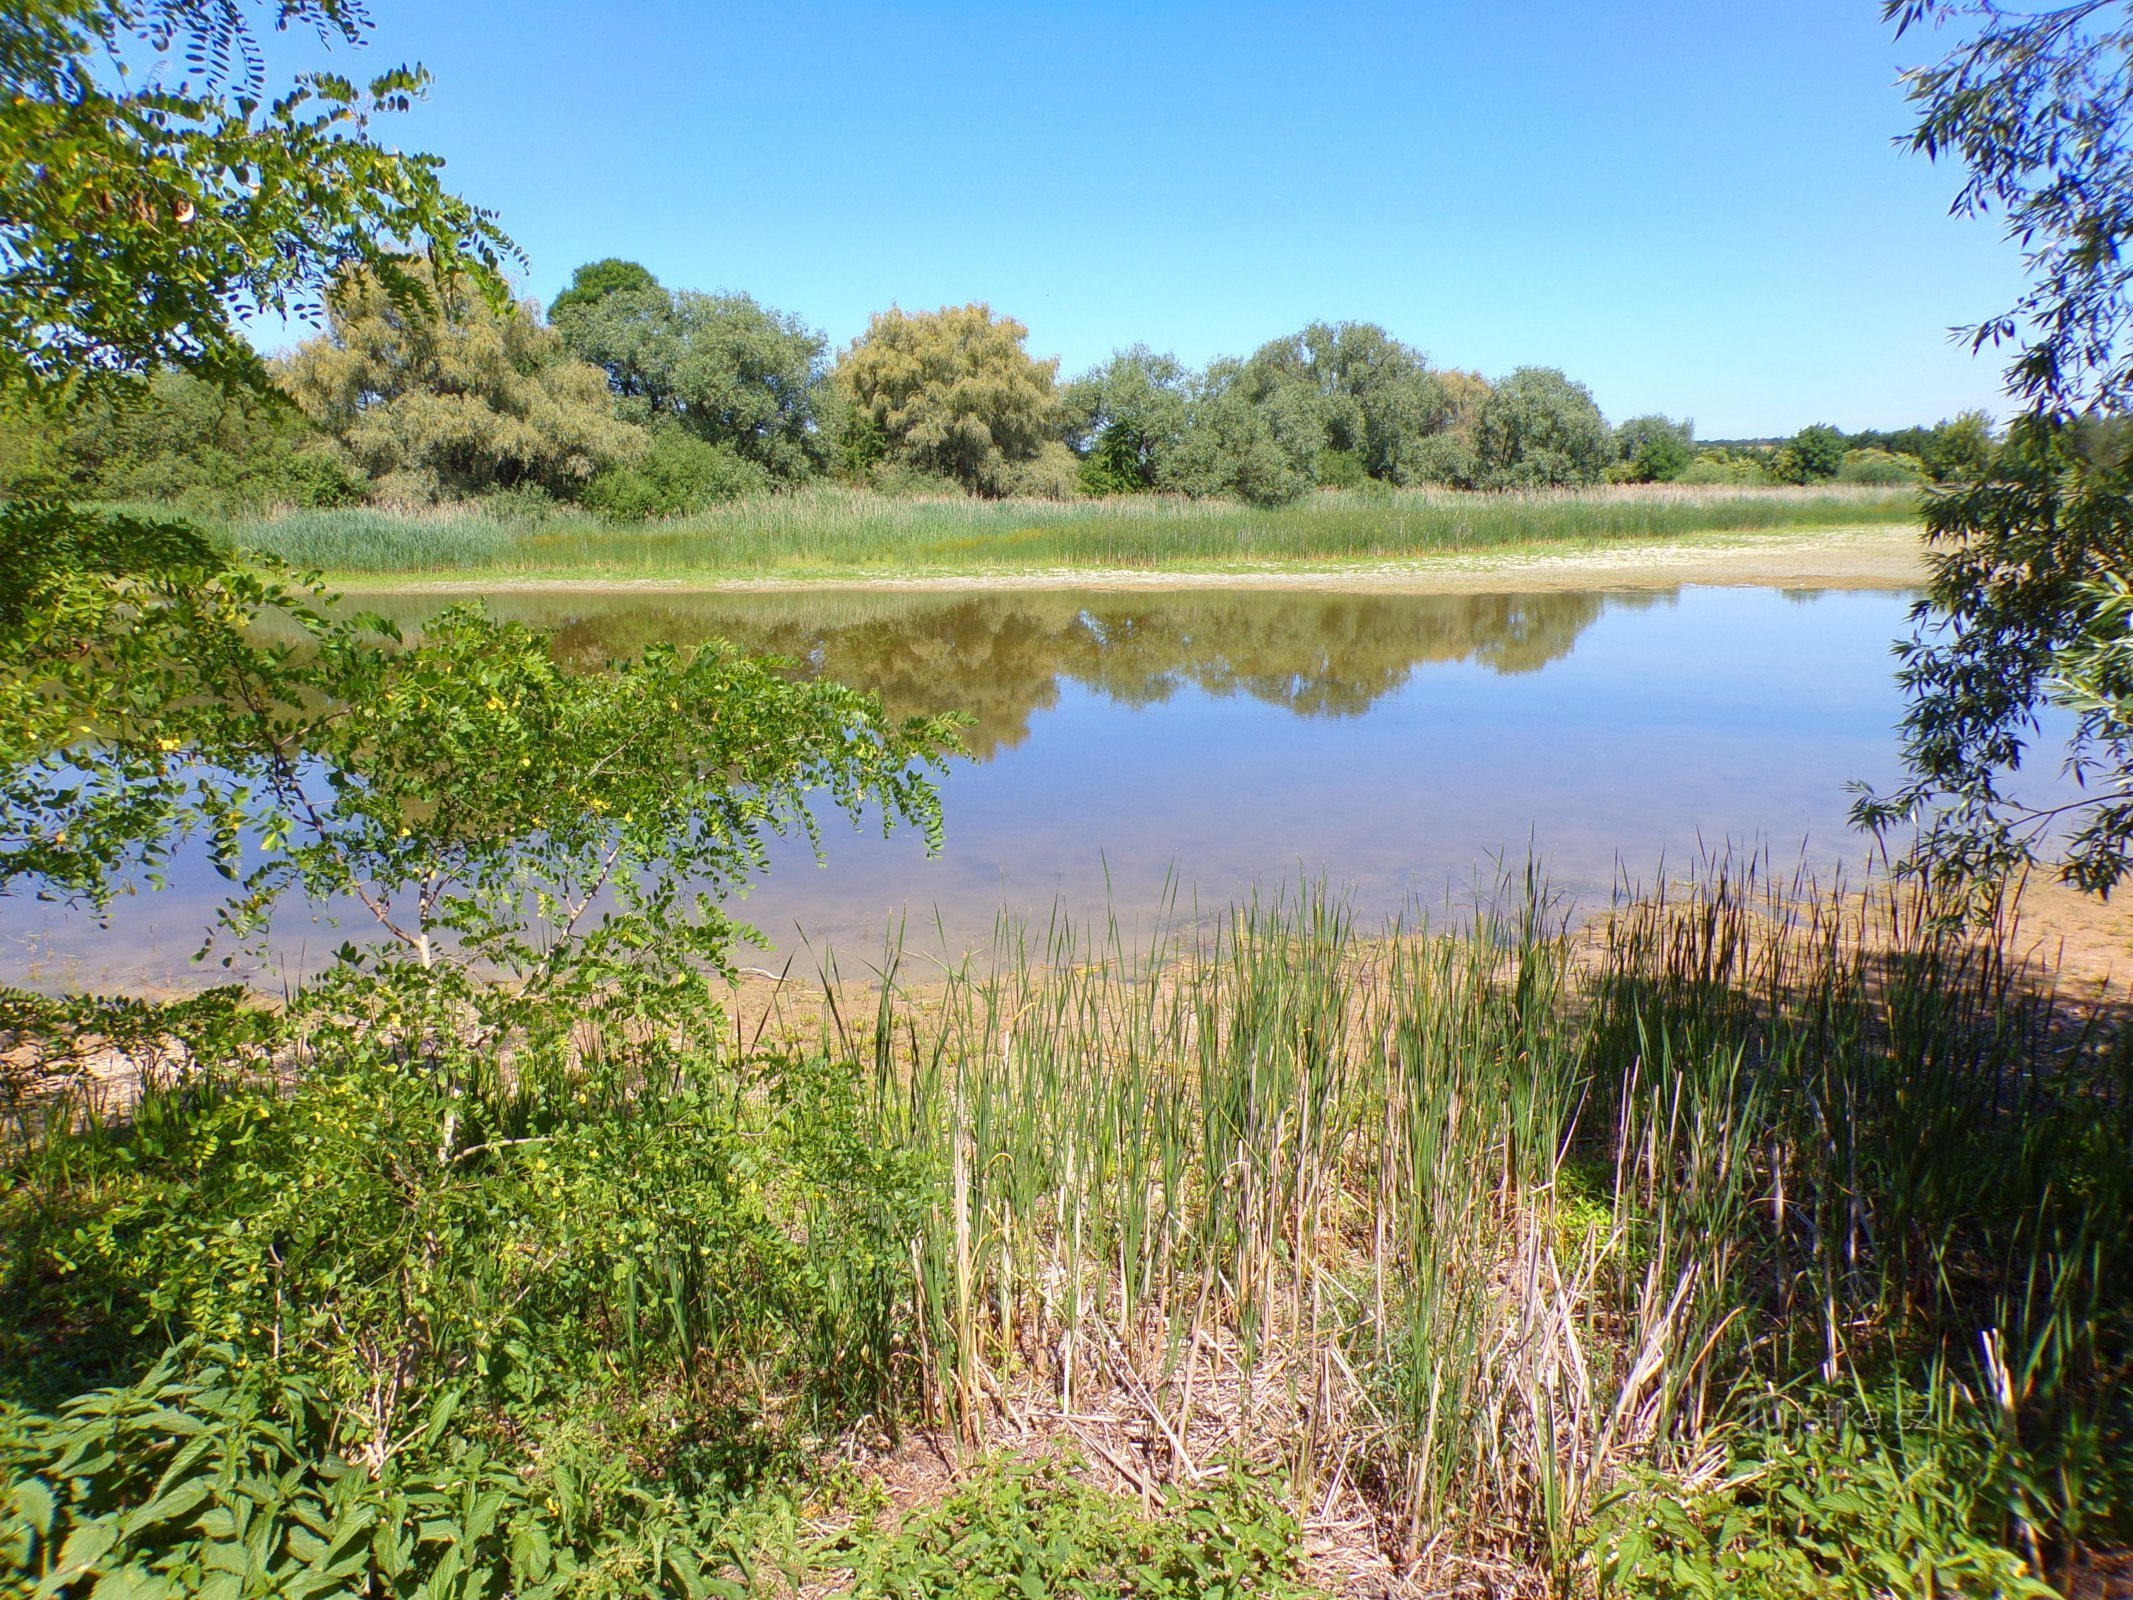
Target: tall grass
1743	1194
827	532
1473	1226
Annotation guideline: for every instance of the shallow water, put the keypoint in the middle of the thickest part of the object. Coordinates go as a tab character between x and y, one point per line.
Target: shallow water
1132	744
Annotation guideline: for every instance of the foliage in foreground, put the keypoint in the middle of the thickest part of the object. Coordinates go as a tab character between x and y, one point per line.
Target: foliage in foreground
1825	1200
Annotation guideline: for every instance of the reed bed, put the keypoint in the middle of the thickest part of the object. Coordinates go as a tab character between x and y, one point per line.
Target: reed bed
831	532
1749	1217
1465	1231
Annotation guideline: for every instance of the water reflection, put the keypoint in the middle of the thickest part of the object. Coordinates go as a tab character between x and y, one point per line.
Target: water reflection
1002	658
1210	740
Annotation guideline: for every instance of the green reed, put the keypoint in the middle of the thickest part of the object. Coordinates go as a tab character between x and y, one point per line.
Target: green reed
1484	1218
828	532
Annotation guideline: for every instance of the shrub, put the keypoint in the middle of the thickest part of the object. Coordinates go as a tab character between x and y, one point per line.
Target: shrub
678	474
1880	467
215	1478
1715	467
1341	469
1845	1495
181	441
1052	474
1446	458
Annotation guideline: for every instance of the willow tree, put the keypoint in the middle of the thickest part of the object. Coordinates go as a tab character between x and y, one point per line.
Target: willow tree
731	371
1538	429
455	396
2029	545
952	393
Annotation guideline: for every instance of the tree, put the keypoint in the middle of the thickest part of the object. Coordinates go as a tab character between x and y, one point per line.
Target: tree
951	393
1537	429
1377	398
179	440
1247	439
596	280
1654	449
2025	544
1818	451
462	400
143	221
734	373
1959	450
1125	418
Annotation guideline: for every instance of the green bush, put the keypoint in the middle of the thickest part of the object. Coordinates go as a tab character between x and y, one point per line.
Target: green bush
1341	469
1445	458
1053	473
1724	468
1881	467
1817	452
211	1478
178	441
680	473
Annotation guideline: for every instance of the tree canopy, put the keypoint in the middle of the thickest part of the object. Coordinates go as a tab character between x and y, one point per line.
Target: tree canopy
456	399
1538	429
596	280
2030	535
1126	417
732	372
952	393
142	222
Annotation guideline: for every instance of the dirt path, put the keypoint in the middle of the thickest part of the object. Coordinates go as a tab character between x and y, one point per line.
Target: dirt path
1880	557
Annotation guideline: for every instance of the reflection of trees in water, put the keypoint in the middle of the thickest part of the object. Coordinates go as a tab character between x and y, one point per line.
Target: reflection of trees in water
1001	657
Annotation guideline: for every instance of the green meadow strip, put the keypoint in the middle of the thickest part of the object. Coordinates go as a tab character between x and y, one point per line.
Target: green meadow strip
844	533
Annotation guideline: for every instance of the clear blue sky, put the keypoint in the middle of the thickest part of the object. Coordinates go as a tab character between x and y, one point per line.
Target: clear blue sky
1693	206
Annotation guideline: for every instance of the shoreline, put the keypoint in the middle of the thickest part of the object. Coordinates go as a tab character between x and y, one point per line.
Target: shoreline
1883	556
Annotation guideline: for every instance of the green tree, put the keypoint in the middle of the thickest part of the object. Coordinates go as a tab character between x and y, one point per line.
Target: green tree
144	219
1959	450
596	280
1537	429
951	393
1247	438
2023	554
184	441
1654	449
467	399
1818	451
1125	417
734	373
1377	398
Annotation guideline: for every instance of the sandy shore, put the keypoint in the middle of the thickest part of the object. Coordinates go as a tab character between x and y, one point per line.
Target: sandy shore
1879	557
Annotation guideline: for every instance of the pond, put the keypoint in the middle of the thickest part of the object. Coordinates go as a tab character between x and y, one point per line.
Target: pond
1132	745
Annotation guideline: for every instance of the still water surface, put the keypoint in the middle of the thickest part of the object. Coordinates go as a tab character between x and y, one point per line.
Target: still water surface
1207	740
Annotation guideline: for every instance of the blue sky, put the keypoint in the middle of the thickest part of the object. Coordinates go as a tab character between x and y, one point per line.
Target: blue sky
1693	206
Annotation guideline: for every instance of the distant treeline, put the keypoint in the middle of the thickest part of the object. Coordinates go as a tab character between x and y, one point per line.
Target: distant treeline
635	400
